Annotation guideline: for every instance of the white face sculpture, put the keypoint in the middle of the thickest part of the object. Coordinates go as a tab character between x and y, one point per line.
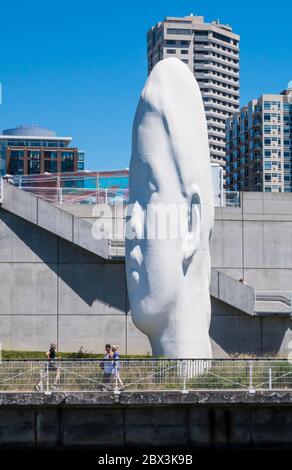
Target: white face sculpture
167	256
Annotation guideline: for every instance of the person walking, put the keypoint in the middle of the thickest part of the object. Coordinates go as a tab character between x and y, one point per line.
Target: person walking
107	366
50	367
116	364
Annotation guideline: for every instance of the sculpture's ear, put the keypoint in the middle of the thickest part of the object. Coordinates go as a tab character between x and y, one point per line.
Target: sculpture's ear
192	237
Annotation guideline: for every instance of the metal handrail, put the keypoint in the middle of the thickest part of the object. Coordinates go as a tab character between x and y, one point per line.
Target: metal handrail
95	195
95	375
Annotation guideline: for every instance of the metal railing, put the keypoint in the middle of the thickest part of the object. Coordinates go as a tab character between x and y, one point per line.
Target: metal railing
186	375
273	302
66	191
79	195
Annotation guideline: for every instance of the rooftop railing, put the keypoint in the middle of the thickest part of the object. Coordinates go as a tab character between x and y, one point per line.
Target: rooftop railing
88	190
249	375
85	196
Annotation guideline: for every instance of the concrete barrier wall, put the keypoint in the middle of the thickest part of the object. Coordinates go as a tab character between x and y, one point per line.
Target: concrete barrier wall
194	421
52	289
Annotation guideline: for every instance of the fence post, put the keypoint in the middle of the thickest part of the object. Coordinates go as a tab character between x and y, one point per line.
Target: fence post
41	380
59	191
47	392
2	189
97	189
116	389
251	389
270	379
185	373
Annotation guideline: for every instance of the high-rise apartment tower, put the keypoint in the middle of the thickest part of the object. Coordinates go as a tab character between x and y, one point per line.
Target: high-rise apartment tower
211	51
259	145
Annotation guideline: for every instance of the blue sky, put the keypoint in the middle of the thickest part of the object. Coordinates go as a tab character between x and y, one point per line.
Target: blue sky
78	67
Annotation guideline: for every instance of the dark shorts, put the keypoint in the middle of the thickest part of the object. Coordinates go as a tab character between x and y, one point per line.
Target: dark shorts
106	377
52	367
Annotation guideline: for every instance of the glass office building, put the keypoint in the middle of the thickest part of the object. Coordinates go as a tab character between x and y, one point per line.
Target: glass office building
30	150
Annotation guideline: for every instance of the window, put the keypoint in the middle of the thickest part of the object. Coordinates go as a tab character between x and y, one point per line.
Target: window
183	51
34	154
50	154
201	33
16	154
16	167
179	31
15	144
223	38
68	155
171	42
67	163
51	166
33	167
170	51
16	162
268	166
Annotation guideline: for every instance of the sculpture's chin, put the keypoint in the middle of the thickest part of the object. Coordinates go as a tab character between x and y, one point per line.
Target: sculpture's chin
182	349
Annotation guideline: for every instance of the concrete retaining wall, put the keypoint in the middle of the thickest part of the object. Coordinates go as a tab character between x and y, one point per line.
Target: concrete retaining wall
196	420
53	289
